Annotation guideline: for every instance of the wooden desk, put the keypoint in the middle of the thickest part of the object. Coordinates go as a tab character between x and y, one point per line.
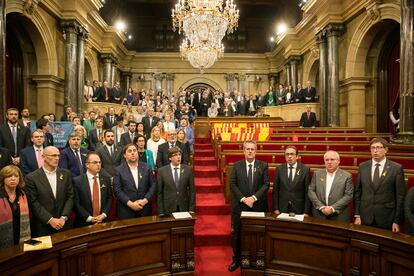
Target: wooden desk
143	246
291	112
318	247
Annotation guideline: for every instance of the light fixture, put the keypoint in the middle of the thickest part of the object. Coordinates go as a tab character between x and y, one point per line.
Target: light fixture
129	37
204	24
120	25
272	39
281	28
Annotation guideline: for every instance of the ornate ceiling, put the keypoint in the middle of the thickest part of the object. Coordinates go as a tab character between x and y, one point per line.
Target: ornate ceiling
149	23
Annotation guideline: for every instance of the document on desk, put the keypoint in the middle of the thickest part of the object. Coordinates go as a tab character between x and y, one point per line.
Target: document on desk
181	215
45	242
285	216
252	214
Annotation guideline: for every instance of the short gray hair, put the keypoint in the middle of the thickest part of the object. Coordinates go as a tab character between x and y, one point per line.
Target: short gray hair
250	142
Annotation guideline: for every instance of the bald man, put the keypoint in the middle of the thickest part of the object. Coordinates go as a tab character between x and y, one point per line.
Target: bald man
50	193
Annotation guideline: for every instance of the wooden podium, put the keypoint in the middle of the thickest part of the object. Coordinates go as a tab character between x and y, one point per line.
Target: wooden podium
143	246
318	247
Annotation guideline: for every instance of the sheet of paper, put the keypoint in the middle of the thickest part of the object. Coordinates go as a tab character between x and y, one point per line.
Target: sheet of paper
252	214
46	242
286	216
181	215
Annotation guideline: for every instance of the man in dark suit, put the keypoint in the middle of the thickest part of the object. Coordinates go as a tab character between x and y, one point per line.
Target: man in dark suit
309	93
251	106
308	118
109	153
242	107
249	182
93	193
43	125
14	137
73	157
24	121
175	186
331	190
50	195
95	134
128	137
149	121
31	157
117	93
104	93
134	185
297	95
162	154
5	158
66	116
110	119
380	190
290	187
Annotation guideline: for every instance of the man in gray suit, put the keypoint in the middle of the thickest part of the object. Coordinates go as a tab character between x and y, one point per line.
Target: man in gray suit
175	186
380	190
331	190
50	193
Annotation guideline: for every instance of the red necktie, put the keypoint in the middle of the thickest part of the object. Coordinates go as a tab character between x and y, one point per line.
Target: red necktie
95	198
106	93
40	160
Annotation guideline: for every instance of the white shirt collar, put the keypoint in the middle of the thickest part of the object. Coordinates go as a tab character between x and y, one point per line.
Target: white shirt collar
49	172
247	163
382	163
294	166
172	167
91	176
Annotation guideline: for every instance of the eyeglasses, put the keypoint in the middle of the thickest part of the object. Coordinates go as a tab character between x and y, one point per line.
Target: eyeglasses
377	148
38	136
53	155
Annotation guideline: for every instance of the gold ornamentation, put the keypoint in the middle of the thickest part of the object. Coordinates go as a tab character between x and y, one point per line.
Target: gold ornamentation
322	180
384	173
61	177
298	172
254	170
140	176
103	186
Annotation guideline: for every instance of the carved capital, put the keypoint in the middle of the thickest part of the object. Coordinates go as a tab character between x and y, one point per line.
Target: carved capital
70	26
29	6
158	76
108	58
334	29
294	59
229	77
373	11
170	76
273	76
314	51
321	36
241	77
126	74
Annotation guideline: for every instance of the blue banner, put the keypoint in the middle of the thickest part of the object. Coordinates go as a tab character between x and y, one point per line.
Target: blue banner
60	131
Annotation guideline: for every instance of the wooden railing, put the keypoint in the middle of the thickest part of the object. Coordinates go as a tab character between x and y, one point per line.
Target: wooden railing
143	246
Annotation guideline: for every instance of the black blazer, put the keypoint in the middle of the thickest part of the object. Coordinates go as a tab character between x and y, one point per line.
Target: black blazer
309	94
304	122
126	138
384	202
409	212
297	194
43	203
240	187
68	161
28	161
110	163
5	157
169	197
147	126
6	139
48	140
125	189
83	198
107	122
162	154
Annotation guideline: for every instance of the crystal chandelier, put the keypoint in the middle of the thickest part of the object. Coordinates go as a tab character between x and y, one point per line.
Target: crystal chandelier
204	24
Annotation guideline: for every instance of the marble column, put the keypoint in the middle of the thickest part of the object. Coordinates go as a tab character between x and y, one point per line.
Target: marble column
2	59
70	29
242	82
126	83
170	84
294	62
113	73
406	134
323	78
107	67
80	60
288	76
333	31
230	83
157	82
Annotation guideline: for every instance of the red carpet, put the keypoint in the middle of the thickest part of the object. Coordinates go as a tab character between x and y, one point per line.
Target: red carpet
213	250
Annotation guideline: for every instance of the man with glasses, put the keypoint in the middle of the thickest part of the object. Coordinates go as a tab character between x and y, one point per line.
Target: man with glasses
331	190
162	154
249	182
290	186
31	157
93	193
380	190
50	193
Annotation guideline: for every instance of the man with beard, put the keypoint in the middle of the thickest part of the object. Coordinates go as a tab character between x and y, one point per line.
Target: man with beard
110	154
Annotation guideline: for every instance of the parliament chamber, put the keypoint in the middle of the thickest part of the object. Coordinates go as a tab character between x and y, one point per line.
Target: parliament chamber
312	76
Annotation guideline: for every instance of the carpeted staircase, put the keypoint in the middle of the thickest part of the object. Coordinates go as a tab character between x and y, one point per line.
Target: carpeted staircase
213	250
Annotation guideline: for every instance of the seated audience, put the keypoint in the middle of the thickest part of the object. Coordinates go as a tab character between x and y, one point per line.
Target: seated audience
14	208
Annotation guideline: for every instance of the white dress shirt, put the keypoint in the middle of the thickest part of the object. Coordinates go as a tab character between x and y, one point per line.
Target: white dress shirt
51	178
134	172
329	180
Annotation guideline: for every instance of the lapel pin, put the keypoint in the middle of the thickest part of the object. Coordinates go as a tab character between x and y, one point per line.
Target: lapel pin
298	172
322	180
384	173
61	177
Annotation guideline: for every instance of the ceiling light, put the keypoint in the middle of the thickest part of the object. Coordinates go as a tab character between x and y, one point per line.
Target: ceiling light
272	39
120	25
281	28
129	36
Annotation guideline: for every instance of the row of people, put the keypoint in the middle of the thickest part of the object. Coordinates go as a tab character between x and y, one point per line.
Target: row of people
378	195
51	193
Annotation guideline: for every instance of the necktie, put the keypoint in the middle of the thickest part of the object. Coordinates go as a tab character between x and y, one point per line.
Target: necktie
112	120
376	177
95	197
290	175
79	161
92	123
39	158
250	178
14	133
172	145
176	177
132	137
106	93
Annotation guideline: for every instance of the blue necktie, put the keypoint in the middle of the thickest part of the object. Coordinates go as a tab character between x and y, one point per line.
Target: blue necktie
176	177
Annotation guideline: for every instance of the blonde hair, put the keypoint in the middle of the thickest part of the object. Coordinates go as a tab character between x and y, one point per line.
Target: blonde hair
185	136
153	130
11	170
